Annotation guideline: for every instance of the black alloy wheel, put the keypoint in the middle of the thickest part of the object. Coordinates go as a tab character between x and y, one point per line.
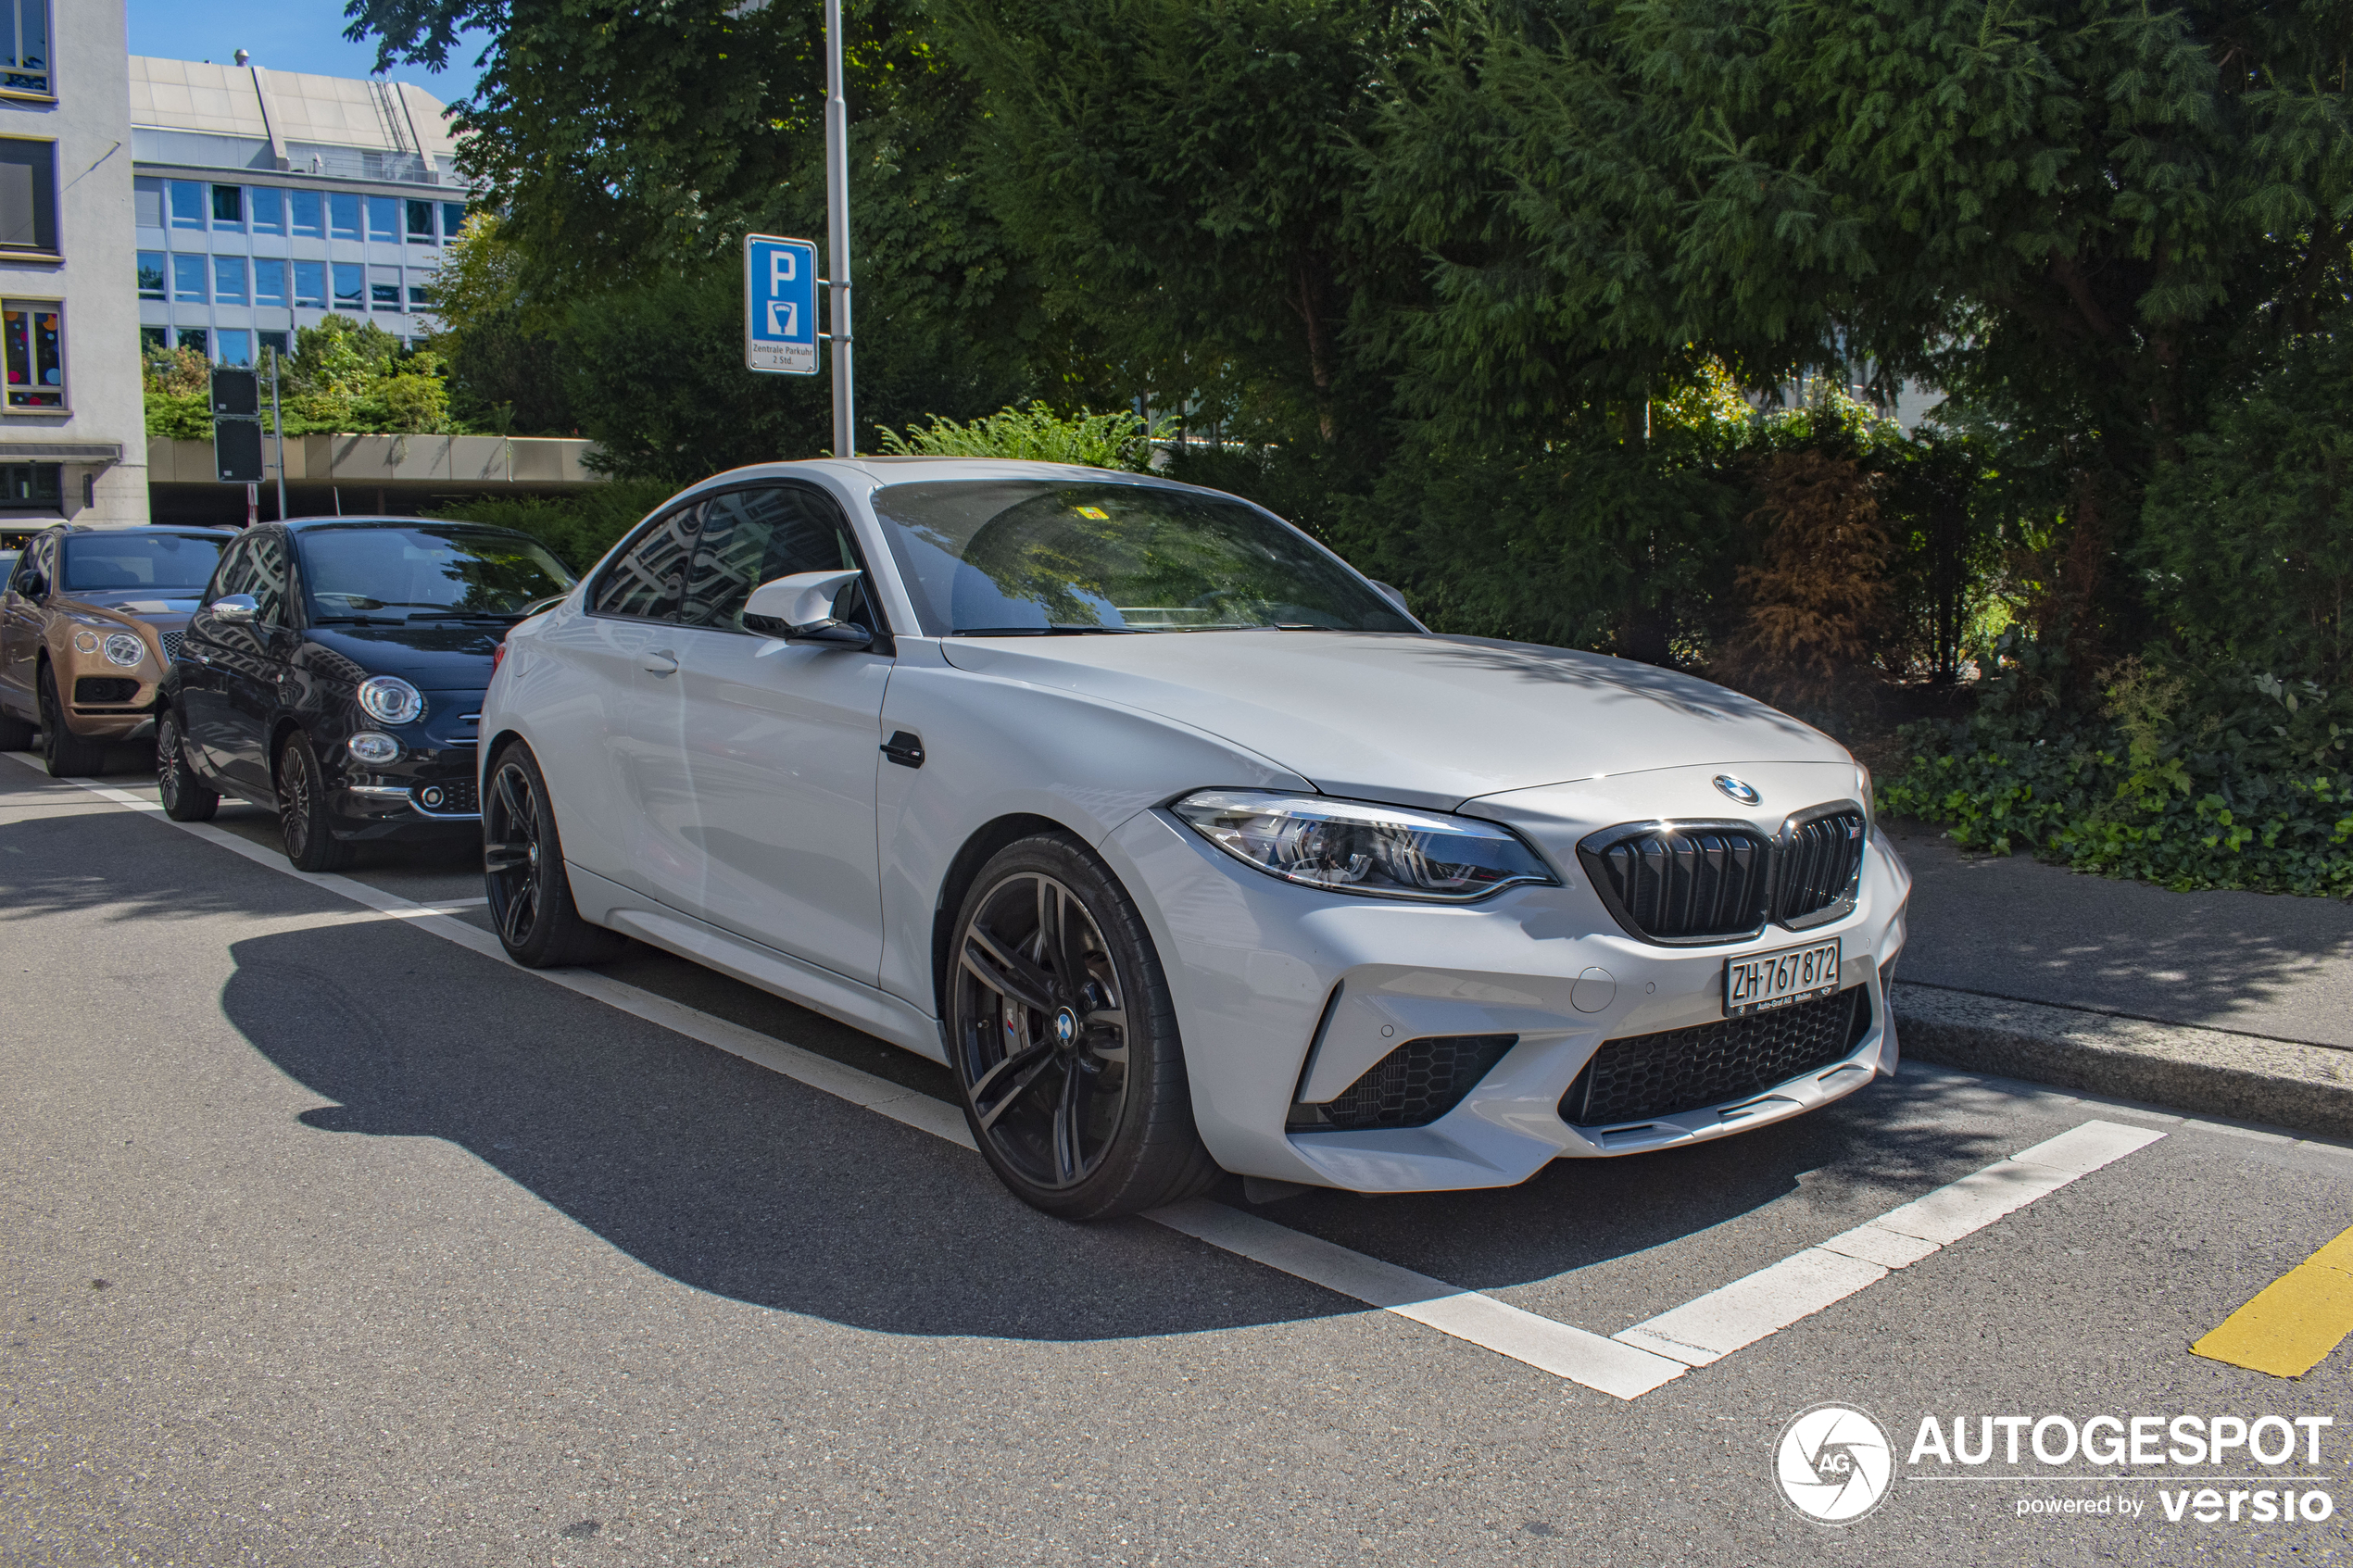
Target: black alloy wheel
302	810
522	867
65	755
1064	1040
186	799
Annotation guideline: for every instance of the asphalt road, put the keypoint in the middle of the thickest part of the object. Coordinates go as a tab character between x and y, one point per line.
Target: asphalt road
328	1241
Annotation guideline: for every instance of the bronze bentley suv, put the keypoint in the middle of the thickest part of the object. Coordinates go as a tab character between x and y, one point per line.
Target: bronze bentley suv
88	625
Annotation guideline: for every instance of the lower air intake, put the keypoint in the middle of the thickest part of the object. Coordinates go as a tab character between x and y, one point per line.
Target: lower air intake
1412	1086
1653	1075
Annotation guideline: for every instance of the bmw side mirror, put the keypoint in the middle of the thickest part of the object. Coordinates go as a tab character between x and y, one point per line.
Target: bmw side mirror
237	610
804	605
1392	595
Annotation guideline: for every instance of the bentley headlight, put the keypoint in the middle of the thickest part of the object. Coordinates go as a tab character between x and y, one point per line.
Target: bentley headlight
1351	846
391	700
124	649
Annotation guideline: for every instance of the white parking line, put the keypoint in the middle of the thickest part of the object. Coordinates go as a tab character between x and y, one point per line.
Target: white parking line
1624	1371
1714	1326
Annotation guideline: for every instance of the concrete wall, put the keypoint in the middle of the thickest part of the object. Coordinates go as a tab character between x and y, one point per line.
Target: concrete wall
90	121
440	464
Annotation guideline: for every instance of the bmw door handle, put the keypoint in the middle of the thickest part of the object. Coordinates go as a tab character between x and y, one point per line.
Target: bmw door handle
659	661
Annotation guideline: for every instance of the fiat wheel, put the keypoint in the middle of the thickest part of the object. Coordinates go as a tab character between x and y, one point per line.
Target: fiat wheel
185	798
302	810
1064	1040
522	862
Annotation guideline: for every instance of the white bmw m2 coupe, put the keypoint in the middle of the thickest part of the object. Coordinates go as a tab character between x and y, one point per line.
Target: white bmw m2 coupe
1184	844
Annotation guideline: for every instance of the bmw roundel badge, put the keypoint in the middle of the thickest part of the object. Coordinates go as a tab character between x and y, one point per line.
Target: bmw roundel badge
1743	792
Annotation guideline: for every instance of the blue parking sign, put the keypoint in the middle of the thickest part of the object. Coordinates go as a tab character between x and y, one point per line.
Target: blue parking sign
780	305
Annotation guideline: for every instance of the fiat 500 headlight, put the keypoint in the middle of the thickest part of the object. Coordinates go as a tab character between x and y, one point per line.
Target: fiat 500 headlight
391	700
124	649
1351	846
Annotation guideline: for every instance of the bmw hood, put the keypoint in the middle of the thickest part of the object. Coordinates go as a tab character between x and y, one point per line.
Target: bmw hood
1420	721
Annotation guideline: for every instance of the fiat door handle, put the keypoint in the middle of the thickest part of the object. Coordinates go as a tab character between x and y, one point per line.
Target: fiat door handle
660	661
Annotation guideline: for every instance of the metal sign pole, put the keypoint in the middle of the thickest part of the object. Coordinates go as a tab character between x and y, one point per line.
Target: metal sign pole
837	232
278	423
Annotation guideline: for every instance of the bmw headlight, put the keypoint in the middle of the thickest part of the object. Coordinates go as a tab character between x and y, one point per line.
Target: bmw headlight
391	700
1351	846
124	649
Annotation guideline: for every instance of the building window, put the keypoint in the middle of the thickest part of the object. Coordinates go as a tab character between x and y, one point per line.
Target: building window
35	334
187	280
29	196
229	280
421	224
384	219
33	487
343	214
228	206
383	288
236	347
151	275
187	205
146	202
351	286
269	211
154	340
418	297
268	280
310	284
197	339
453	219
305	208
27	67
274	342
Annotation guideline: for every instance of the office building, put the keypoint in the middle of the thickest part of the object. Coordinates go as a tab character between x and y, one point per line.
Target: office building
267	199
73	432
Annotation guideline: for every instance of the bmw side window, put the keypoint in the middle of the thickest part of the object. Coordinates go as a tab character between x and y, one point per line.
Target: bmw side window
645	582
754	537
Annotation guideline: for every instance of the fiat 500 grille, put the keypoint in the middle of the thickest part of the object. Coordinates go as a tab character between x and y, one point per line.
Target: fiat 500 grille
1647	1076
1412	1086
1711	882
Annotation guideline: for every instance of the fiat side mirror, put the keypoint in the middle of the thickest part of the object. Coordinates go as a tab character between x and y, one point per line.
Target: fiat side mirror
237	610
804	605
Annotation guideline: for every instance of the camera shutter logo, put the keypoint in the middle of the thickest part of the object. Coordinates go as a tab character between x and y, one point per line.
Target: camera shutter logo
1834	1463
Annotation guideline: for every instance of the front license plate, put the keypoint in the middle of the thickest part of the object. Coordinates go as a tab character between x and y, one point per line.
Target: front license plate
1764	981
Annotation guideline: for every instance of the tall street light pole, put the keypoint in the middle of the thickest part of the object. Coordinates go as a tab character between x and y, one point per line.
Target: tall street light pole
837	232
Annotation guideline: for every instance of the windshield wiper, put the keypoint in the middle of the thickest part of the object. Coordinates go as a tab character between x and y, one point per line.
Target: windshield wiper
1043	632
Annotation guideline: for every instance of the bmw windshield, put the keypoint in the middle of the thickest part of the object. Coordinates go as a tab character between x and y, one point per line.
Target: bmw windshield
1036	557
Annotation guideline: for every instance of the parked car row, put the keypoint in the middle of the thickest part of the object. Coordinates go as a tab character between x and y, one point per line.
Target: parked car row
1185	845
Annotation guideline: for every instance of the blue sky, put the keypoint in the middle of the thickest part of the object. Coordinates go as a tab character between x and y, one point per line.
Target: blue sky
280	34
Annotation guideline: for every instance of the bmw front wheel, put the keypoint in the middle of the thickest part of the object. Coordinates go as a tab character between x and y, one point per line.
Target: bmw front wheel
523	871
1064	1040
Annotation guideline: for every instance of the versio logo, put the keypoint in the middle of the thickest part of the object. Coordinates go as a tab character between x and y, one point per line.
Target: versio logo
1834	1463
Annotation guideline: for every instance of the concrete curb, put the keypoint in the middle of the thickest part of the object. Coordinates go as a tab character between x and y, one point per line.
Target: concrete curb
2282	1083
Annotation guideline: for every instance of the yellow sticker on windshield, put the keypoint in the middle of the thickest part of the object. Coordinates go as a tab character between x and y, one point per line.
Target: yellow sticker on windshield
1096	512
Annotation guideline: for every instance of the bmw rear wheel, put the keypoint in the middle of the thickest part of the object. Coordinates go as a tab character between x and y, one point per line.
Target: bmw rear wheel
523	871
1064	1040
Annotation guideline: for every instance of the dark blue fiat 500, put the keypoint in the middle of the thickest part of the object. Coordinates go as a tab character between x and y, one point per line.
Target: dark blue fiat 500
334	674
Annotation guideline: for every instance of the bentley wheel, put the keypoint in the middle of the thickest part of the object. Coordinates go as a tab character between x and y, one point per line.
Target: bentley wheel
65	755
1064	1040
524	873
302	810
185	798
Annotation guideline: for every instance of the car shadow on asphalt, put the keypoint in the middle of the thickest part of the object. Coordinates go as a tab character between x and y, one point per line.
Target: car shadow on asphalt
737	1181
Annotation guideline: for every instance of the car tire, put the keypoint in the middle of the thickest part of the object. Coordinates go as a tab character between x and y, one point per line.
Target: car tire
302	810
185	798
1063	1034
524	872
67	755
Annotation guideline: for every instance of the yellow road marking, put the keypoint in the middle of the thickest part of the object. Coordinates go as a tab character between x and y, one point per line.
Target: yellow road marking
2294	1322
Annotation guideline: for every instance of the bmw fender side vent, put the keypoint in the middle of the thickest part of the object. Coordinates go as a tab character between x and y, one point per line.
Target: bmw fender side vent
1412	1086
